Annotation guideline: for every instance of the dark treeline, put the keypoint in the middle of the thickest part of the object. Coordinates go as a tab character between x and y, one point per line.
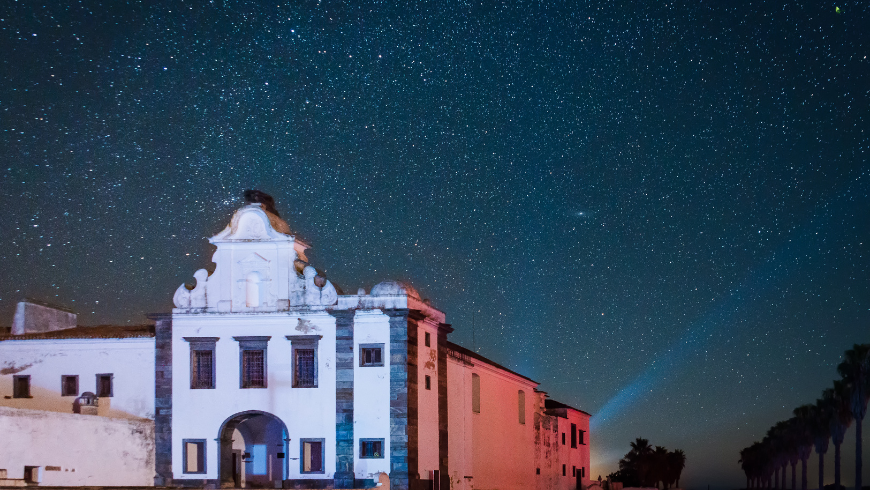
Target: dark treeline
646	466
814	426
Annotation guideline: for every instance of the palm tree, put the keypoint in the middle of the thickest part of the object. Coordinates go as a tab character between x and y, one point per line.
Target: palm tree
841	418
659	467
803	437
854	370
821	428
642	450
677	462
778	435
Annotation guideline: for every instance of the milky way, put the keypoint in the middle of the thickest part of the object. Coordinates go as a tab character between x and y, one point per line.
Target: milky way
660	212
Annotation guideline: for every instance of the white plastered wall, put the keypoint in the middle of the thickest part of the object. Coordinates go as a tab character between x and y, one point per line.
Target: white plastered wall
77	450
371	393
307	412
130	361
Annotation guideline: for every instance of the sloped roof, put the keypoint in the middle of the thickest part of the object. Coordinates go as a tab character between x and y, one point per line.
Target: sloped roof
475	355
97	332
553	404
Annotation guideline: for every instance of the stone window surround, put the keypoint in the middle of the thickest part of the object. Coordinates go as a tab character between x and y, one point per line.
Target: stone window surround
63	379
302	442
253	343
15	393
202	445
305	342
111	384
371	346
201	344
369	439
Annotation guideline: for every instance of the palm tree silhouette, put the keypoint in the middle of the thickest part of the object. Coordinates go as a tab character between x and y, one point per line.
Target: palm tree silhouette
854	370
821	428
803	437
841	418
676	463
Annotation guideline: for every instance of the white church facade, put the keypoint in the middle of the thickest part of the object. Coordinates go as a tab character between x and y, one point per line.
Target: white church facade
265	375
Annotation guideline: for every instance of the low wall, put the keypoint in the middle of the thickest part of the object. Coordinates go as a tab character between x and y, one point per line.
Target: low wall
76	450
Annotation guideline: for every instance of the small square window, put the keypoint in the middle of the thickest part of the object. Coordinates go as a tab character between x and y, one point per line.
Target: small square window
69	385
428	382
428	340
194	455
104	385
371	448
21	386
371	355
312	455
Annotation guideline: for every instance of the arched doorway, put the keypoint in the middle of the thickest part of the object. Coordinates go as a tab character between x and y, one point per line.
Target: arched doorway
253	450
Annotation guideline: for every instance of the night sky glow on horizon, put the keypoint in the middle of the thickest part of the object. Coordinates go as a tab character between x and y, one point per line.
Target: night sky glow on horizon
659	211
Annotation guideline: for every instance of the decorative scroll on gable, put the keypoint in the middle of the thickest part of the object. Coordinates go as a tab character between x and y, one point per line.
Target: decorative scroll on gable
258	264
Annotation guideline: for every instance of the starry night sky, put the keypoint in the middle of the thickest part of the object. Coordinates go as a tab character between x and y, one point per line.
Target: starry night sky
659	210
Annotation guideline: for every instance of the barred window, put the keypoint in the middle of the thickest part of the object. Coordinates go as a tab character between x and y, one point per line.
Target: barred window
203	368
202	362
304	348
254	368
252	361
304	368
371	448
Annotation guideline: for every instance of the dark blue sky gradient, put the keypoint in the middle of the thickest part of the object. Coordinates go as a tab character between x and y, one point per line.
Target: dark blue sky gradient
658	210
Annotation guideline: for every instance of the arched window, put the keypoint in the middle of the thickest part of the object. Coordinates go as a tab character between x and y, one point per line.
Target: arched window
475	393
252	290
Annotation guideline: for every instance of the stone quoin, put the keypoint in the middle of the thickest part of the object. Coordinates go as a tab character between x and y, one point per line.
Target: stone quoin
267	375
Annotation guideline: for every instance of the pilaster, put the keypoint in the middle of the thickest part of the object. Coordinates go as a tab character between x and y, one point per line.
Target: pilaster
163	399
344	392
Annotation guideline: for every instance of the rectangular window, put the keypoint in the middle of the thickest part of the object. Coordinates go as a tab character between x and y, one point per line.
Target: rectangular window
252	365
428	340
564	470
312	455
202	362
253	369
202	370
21	386
371	355
69	385
475	393
521	402
582	436
104	384
582	472
304	368
563	438
371	448
573	435
194	455
428	382
304	349
574	471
